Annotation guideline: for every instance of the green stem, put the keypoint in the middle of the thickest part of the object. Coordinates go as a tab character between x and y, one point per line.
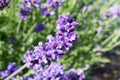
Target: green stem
16	72
108	39
18	27
30	30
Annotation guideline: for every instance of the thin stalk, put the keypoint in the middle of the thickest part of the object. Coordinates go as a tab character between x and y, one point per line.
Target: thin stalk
18	27
108	39
29	31
16	72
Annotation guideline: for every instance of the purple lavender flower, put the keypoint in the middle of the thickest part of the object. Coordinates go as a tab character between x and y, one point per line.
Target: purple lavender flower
65	30
55	47
31	77
52	72
10	69
54	3
50	9
36	3
39	28
45	11
3	4
75	75
114	11
56	71
25	11
11	39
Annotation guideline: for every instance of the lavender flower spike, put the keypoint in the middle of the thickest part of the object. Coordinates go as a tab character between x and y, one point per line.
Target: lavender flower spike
10	69
25	9
52	72
55	47
39	28
75	75
54	3
5	2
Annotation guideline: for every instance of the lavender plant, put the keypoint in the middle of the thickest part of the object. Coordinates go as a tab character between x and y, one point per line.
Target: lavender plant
95	34
41	59
26	7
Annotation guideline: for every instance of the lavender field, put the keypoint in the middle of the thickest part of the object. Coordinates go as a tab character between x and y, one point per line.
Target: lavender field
59	40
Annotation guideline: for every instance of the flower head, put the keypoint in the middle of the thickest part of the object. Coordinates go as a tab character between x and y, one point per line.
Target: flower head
75	75
25	11
10	69
55	47
3	4
39	28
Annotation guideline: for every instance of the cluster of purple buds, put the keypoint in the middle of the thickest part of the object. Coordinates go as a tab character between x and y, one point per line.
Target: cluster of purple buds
75	74
55	71
10	69
3	4
114	11
31	77
54	49
26	7
39	28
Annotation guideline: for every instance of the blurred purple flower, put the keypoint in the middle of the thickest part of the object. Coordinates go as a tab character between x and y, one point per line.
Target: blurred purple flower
75	75
3	4
54	3
11	39
36	3
25	11
50	9
10	69
39	28
113	11
45	11
87	8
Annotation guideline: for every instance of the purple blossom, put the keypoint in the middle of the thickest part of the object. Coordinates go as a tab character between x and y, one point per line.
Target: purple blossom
36	3
10	69
54	3
31	77
75	75
39	28
45	11
25	11
56	46
114	11
50	9
52	72
5	4
11	39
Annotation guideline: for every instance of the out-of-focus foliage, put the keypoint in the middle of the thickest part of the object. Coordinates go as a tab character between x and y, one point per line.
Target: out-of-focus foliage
95	34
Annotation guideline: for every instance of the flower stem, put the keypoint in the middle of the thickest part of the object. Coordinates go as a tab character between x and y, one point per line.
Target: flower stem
16	72
18	26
